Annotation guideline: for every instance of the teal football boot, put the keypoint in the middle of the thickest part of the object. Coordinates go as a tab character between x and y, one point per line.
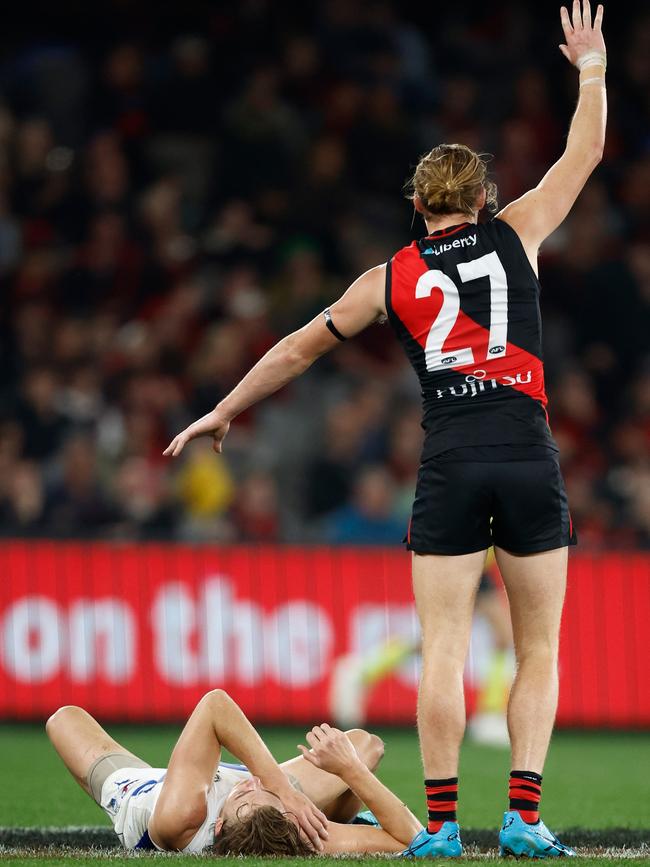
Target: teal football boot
445	843
535	841
366	817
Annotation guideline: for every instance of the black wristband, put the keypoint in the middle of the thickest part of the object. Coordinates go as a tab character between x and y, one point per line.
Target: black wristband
331	326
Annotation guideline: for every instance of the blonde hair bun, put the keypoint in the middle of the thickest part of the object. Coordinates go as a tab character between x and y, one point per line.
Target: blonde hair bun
450	179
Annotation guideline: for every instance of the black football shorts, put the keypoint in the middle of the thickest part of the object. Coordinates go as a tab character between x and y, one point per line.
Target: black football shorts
465	506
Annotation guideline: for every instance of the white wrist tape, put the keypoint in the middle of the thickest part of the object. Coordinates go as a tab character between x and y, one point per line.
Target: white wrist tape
592	58
595	80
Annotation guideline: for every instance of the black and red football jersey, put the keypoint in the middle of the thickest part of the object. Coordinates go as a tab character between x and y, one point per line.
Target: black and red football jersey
464	303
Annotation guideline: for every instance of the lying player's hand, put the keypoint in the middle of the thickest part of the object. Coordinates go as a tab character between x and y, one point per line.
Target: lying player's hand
331	750
312	822
579	33
210	424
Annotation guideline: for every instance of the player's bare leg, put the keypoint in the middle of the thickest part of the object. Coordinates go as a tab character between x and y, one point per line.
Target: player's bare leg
329	792
80	740
535	584
445	589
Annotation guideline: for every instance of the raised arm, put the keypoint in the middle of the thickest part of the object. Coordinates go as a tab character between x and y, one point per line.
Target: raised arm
362	304
216	722
541	210
332	751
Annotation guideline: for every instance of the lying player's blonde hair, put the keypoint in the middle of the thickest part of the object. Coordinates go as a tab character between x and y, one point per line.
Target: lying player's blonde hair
449	180
264	831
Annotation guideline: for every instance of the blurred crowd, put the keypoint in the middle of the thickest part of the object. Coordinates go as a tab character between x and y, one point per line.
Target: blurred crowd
172	205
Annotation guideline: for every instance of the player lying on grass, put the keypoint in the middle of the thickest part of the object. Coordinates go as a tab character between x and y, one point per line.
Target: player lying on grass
306	805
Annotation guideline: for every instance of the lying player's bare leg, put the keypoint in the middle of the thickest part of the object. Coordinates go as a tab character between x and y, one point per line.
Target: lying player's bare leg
329	792
445	589
80	740
535	584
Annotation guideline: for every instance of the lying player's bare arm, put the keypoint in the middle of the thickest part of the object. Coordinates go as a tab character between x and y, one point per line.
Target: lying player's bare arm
362	304
332	751
541	210
182	806
362	839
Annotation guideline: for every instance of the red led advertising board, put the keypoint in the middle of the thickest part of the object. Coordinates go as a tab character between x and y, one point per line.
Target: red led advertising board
140	632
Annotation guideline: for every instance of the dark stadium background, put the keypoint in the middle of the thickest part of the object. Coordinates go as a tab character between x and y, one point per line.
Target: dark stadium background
183	185
180	186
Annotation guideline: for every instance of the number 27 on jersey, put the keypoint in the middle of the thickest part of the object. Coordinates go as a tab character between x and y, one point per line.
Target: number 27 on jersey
486	266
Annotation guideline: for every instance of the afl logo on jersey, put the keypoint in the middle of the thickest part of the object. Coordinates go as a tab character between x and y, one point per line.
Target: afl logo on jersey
448	360
497	350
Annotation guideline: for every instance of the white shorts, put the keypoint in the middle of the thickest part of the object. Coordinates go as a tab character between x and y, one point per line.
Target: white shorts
129	796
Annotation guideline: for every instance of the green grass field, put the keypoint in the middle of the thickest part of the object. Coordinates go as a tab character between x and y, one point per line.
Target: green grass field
188	861
592	780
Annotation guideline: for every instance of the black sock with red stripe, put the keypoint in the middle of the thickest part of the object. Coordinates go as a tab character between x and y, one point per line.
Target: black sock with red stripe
442	797
525	792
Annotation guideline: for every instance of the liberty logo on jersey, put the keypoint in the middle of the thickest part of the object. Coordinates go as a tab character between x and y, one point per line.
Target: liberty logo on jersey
457	243
476	383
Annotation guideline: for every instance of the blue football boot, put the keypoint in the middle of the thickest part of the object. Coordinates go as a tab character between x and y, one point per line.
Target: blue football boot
535	841
366	817
445	843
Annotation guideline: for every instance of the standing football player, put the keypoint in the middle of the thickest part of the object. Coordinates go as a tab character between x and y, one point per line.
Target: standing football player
464	303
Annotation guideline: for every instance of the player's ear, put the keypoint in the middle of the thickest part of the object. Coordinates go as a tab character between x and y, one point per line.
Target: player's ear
418	204
218	825
482	197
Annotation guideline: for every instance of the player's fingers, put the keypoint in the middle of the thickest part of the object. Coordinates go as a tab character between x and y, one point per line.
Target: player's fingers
307	754
322	820
577	15
326	727
598	20
314	824
216	445
565	51
312	833
566	22
311	739
180	445
586	14
170	447
317	732
317	822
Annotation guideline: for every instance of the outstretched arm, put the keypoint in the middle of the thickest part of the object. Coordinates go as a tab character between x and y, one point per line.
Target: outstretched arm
362	304
332	751
540	211
216	722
